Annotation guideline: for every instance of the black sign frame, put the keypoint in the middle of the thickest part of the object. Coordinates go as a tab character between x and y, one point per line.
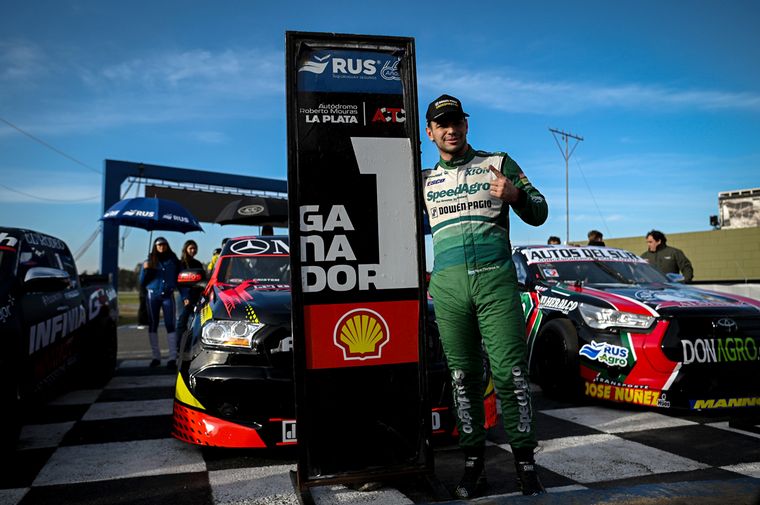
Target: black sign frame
311	429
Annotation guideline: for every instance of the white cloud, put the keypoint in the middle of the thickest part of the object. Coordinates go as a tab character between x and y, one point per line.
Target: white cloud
165	87
20	61
496	89
229	73
209	137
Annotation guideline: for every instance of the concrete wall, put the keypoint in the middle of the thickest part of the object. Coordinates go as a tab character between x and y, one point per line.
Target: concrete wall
717	255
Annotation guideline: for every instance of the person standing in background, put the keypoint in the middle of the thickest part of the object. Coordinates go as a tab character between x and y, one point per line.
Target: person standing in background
159	277
215	256
666	259
595	237
189	296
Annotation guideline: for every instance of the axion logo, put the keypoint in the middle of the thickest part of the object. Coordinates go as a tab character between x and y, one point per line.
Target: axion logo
361	334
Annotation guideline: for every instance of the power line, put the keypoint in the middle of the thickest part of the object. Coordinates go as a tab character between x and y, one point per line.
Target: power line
607	229
87	243
52	148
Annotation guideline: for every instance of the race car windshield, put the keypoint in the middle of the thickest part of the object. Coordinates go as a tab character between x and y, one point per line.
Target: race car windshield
600	272
259	269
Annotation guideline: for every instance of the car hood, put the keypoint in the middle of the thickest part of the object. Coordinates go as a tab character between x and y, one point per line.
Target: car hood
270	303
671	297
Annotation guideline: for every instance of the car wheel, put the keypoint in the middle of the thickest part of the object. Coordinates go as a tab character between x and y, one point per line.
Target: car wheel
556	364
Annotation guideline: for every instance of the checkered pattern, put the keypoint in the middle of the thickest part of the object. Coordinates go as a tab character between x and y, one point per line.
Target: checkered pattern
109	445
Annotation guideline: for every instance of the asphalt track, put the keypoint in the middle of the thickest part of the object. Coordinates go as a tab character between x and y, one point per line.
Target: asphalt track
116	450
133	344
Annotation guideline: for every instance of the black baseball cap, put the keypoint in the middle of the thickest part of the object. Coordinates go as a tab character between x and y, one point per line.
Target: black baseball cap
444	104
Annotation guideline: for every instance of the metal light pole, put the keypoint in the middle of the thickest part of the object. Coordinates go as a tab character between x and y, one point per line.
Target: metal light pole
566	154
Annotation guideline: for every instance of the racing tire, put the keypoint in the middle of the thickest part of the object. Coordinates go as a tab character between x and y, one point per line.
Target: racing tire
555	366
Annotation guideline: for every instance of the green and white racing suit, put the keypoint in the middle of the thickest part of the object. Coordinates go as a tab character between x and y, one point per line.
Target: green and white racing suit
474	289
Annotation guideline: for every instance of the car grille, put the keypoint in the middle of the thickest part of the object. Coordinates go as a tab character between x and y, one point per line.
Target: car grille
719	354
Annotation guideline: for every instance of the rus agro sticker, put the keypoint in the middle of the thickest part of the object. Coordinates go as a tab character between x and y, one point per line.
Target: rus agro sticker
609	354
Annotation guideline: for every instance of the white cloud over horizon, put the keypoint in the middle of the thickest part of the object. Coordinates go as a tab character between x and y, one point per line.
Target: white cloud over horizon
168	86
490	88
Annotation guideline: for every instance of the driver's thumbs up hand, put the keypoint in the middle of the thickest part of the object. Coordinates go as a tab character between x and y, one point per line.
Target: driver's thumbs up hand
502	188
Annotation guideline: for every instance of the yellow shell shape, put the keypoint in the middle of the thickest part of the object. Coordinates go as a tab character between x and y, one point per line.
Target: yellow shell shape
361	333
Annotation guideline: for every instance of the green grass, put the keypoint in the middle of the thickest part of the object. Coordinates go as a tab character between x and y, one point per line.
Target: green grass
129	303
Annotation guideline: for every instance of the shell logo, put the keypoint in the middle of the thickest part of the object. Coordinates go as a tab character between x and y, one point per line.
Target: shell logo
361	334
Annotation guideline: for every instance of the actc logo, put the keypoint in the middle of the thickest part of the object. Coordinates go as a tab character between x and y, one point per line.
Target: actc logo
389	115
361	334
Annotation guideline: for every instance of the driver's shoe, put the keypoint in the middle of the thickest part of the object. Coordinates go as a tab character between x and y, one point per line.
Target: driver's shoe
473	479
527	478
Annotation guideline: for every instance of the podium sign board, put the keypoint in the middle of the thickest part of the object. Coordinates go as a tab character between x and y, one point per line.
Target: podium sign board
356	255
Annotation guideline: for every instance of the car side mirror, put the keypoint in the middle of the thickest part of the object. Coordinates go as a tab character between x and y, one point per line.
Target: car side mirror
192	278
46	280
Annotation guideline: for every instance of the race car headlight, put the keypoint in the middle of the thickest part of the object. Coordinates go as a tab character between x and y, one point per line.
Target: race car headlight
599	318
229	333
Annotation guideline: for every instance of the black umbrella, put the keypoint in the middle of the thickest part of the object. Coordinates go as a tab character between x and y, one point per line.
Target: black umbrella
255	210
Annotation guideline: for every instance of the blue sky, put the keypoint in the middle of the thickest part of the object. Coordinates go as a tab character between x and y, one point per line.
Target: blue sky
666	95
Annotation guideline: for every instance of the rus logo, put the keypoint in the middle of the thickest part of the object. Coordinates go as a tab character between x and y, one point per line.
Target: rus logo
361	334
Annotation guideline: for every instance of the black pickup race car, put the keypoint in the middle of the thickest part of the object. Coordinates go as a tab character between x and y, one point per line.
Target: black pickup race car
603	323
235	382
55	325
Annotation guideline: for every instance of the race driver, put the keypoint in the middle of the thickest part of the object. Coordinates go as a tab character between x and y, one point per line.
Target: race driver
474	287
